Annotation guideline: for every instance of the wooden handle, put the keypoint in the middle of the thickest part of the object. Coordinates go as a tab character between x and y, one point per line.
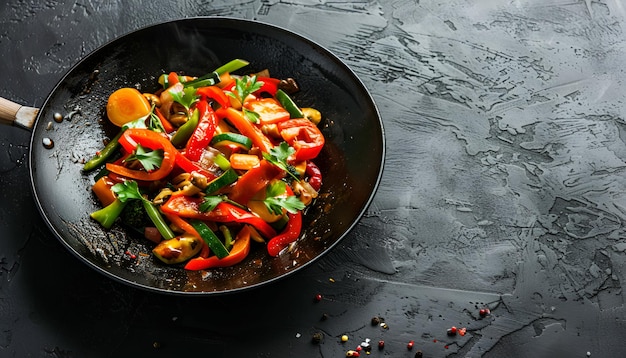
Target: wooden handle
8	111
12	113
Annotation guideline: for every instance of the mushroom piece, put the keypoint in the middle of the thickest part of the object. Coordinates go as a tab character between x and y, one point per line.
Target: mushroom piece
177	250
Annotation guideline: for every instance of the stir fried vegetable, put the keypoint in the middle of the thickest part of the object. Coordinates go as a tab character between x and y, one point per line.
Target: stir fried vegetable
214	165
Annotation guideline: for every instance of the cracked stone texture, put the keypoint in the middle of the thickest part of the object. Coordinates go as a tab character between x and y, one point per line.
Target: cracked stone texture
503	188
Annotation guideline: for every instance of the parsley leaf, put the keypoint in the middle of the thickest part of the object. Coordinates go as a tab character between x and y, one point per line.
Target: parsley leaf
244	86
150	160
278	156
127	190
275	203
187	97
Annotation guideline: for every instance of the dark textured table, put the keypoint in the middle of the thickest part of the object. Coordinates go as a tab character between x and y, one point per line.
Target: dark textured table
503	189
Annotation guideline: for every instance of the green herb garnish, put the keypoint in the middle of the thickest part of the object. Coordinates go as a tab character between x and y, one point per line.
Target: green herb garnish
150	160
279	155
275	202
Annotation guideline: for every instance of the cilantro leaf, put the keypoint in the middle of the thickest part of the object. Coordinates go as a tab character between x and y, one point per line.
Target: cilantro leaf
210	202
275	203
244	86
279	155
150	160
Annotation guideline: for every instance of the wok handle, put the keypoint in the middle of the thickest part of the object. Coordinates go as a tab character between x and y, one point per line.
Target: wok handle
12	113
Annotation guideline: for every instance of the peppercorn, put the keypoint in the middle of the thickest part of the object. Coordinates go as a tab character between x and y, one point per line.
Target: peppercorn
419	354
376	321
318	297
324	317
381	344
317	337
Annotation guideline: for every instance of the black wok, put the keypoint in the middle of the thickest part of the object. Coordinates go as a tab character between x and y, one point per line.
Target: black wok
351	161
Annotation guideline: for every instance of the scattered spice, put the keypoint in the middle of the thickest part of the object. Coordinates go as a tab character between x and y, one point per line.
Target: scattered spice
409	346
381	344
419	354
365	345
484	312
376	320
317	337
462	331
324	317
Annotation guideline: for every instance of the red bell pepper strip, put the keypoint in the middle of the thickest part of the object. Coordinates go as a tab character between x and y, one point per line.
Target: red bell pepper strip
239	251
203	133
287	236
172	79
189	207
215	93
254	180
315	175
148	139
304	136
167	125
188	166
245	127
268	109
270	85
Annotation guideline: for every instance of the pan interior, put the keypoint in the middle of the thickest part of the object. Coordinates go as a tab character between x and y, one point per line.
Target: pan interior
351	161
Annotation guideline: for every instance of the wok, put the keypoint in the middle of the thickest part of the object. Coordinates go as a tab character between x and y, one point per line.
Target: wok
351	161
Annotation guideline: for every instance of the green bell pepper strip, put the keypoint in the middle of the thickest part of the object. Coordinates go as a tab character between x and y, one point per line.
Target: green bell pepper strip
214	243
289	104
104	154
237	139
185	131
